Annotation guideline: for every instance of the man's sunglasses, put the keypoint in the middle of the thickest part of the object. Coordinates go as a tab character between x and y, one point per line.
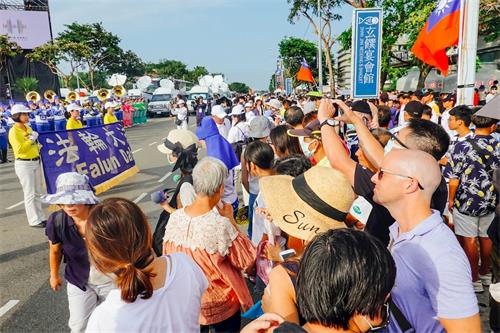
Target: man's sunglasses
380	175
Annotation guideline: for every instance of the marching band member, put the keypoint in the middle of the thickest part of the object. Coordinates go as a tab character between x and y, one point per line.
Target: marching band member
110	117
27	165
74	119
3	136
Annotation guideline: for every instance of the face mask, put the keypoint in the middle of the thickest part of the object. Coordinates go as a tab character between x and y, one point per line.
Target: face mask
305	147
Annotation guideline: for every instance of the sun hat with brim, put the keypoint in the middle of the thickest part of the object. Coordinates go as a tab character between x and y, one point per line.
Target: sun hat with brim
180	102
307	205
237	110
72	189
218	111
19	108
177	136
275	104
260	127
73	107
316	94
312	129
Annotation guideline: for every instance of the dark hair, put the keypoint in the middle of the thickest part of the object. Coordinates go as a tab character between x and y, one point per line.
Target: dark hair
382	135
343	273
293	165
427	110
259	153
384	97
284	143
294	116
16	117
384	115
308	117
463	113
119	241
241	117
428	137
483	122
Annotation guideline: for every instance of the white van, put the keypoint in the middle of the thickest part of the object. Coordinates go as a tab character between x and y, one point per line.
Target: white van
160	102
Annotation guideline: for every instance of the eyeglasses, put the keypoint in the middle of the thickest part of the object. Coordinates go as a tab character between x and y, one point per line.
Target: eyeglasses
385	319
380	175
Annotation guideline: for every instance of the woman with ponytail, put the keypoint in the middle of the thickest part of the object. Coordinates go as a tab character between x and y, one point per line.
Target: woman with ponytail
155	294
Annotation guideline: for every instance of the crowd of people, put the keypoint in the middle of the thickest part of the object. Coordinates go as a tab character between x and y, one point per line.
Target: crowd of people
362	215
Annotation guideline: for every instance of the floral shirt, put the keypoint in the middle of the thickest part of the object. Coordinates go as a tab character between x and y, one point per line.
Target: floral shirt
474	168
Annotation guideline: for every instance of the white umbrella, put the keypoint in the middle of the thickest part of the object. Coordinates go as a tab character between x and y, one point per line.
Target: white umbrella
117	80
166	83
143	82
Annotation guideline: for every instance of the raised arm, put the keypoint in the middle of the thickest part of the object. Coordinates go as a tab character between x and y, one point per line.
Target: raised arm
335	151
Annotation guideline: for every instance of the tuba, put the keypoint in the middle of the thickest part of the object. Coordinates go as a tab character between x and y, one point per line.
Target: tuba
72	96
103	94
33	96
49	95
119	91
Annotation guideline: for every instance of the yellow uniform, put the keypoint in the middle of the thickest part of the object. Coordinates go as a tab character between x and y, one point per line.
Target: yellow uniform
73	124
22	146
110	118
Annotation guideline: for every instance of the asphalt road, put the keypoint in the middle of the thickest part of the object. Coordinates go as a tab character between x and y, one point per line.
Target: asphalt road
27	304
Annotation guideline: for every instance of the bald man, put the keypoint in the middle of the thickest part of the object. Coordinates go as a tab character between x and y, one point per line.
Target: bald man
433	286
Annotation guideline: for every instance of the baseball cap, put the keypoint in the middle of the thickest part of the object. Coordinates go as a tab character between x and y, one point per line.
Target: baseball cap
260	127
218	111
73	107
19	108
361	106
414	109
248	104
237	110
449	98
310	130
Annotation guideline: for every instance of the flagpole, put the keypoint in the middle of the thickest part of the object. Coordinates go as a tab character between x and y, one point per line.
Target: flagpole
467	51
320	53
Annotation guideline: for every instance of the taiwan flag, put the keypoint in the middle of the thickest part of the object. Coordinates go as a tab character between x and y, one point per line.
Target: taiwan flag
440	32
304	73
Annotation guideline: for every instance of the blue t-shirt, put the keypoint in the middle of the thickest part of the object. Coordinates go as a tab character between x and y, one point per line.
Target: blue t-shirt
433	278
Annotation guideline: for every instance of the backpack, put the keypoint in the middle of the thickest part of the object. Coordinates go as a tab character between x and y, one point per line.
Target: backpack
239	146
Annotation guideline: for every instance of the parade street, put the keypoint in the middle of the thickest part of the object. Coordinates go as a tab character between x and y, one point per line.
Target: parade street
27	304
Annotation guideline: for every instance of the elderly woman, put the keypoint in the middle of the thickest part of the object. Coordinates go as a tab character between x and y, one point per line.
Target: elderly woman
65	230
206	231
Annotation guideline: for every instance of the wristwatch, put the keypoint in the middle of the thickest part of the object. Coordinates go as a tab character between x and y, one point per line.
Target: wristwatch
330	122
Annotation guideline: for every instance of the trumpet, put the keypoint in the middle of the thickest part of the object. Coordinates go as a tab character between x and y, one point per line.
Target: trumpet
119	91
72	96
33	96
49	95
103	94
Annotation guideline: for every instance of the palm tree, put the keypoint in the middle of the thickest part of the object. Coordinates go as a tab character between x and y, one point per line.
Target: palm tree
25	84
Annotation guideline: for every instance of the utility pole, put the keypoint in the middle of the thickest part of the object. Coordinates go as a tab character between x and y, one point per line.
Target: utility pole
320	53
467	51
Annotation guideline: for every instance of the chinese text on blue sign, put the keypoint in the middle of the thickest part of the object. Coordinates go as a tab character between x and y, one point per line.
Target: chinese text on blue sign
102	153
366	52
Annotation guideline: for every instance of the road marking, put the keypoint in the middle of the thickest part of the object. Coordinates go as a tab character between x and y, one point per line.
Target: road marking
15	205
139	198
164	177
152	143
137	150
9	305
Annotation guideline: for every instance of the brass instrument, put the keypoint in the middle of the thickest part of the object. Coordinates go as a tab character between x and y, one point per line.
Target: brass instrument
33	96
72	96
119	91
65	104
103	94
49	95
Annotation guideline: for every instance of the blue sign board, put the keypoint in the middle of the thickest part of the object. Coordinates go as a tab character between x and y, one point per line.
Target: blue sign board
366	52
288	86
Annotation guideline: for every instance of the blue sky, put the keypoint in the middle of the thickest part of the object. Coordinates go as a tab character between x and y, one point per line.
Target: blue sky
236	37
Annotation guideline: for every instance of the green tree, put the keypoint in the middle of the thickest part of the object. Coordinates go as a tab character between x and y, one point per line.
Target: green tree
309	10
240	88
272	83
54	54
194	74
104	46
489	19
26	84
128	63
173	69
8	49
292	50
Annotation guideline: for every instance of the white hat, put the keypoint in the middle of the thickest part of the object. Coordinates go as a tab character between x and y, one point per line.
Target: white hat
19	108
73	107
218	111
309	107
180	102
274	103
248	104
110	105
184	137
237	110
72	189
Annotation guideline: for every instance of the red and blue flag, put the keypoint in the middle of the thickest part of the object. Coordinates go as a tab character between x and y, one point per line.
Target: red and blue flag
304	73
440	32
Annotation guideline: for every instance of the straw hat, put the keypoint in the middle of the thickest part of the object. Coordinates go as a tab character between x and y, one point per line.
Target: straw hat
309	204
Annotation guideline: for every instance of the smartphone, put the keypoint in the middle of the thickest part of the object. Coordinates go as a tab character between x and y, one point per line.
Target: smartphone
287	254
